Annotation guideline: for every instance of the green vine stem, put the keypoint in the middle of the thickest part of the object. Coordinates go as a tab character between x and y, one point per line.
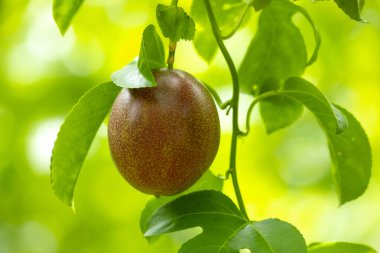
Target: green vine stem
234	107
238	23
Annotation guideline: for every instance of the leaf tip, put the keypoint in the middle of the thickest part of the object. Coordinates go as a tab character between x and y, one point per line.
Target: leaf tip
64	12
61	26
343	199
62	30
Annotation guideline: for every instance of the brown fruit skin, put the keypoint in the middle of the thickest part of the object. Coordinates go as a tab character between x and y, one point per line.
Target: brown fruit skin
163	139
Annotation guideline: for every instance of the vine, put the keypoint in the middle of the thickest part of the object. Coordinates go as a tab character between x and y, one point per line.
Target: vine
234	106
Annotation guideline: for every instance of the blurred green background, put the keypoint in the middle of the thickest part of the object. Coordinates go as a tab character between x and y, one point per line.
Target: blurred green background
284	175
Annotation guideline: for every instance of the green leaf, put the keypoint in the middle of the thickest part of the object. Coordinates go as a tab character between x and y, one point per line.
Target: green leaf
279	112
205	45
138	73
152	54
349	146
267	236
351	155
331	119
339	247
64	12
224	227
207	182
75	137
175	23
278	49
352	8
131	77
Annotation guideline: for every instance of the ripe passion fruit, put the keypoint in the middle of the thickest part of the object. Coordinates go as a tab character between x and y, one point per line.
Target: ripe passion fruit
162	139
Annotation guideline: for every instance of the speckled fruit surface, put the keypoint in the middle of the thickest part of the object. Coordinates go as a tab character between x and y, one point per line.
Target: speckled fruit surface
163	139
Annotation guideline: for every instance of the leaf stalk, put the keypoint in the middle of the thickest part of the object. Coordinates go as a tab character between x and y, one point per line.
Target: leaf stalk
250	109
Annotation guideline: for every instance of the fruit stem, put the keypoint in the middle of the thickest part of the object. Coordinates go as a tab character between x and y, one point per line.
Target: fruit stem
172	45
172	48
234	106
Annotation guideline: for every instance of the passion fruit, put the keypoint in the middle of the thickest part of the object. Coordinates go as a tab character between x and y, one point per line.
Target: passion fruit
162	139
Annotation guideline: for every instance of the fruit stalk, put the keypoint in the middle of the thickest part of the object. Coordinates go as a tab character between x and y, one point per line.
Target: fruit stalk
172	45
234	106
172	48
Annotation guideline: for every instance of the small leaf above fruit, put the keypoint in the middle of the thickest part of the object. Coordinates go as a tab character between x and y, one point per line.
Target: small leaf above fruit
131	77
175	23
138	73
